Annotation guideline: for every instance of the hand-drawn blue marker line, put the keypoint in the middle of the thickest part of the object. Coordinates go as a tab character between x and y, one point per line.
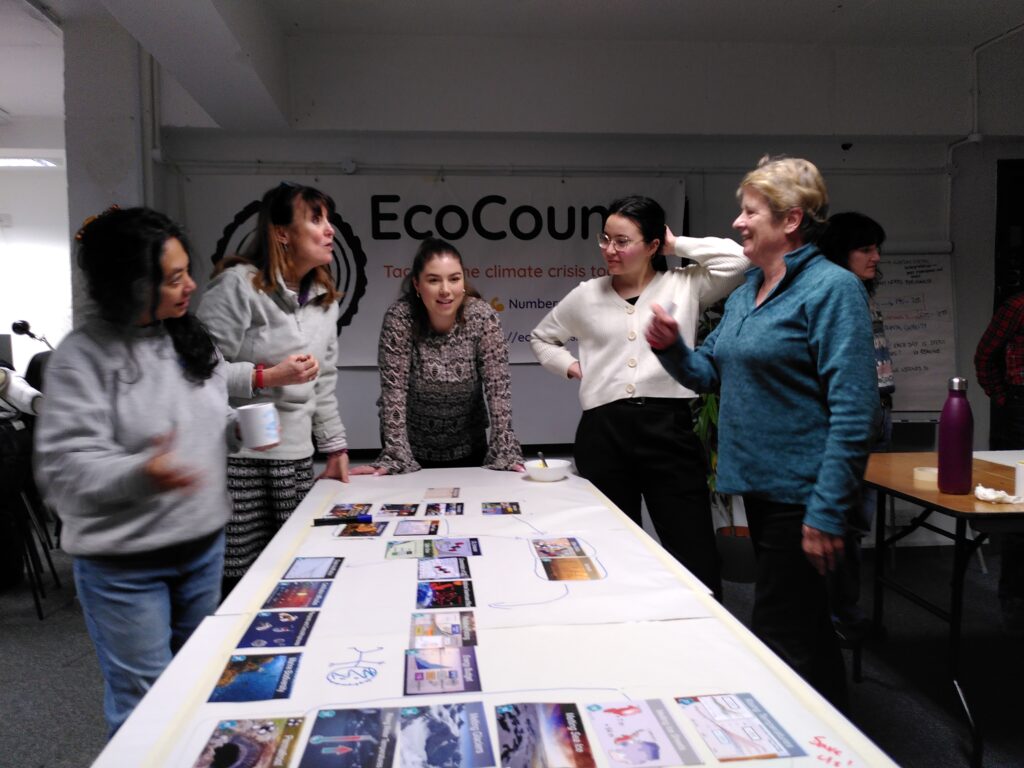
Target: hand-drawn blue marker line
538	530
506	606
594	557
382	561
364	670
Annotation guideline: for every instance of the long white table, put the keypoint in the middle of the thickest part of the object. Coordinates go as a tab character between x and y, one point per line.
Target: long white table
644	630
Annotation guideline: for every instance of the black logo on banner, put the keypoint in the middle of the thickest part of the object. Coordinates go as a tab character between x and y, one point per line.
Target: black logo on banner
348	264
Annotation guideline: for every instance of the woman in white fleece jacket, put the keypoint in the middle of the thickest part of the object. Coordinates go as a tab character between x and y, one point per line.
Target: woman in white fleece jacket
274	316
635	437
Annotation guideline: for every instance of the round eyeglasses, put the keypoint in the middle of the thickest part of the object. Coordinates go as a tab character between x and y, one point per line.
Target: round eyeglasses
617	244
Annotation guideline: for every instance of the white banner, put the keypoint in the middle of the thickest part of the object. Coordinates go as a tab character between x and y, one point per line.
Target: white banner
525	241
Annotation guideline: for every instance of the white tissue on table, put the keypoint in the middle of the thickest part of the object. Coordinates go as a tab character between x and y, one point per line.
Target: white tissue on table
996	497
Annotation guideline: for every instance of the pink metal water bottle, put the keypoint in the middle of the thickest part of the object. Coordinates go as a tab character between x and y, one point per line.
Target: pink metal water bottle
956	439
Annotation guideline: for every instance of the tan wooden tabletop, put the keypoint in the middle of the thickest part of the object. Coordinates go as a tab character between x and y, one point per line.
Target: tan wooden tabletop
894	473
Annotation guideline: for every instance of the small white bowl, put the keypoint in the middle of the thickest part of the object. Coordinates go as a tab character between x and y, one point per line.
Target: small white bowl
555	470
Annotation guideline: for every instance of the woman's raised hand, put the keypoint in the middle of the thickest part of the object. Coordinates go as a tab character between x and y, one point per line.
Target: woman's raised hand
164	472
663	330
668	243
294	369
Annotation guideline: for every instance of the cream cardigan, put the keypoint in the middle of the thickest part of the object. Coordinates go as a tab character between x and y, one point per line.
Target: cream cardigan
616	361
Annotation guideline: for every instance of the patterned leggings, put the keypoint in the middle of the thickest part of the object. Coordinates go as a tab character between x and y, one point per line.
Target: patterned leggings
264	493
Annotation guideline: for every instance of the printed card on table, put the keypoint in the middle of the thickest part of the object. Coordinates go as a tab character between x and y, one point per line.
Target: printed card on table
560	547
343	512
298	594
441	670
405	549
736	727
501	508
352	738
640	733
442	629
360	530
444	508
416	527
551	735
263	743
441	493
313	568
442	568
449	547
257	677
397	510
445	736
279	629
570	569
444	594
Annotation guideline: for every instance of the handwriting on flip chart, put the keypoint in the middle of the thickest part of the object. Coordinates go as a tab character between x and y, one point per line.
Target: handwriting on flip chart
915	298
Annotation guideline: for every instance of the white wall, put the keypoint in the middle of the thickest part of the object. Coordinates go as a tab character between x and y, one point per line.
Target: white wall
903	183
703	111
35	264
371	83
974	228
104	126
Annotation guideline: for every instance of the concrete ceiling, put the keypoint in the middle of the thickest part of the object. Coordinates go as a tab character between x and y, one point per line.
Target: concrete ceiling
31	63
230	56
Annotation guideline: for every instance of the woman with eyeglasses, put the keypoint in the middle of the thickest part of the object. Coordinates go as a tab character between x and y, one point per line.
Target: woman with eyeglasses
444	376
794	360
273	313
635	438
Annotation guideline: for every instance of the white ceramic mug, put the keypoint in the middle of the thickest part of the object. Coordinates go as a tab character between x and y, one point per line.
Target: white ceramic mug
259	425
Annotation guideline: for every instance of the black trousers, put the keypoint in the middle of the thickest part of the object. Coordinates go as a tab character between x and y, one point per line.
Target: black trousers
645	447
791	610
15	467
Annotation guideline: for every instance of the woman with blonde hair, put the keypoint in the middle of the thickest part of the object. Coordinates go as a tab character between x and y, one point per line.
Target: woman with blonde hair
794	360
273	314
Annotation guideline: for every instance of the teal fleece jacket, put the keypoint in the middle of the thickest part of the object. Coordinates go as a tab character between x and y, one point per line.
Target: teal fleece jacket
799	393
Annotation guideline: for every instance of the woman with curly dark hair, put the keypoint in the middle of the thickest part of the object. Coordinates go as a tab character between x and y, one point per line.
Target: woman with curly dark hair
130	452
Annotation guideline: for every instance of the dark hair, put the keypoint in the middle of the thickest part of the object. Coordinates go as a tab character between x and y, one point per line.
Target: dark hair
430	249
649	217
120	252
266	253
847	232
